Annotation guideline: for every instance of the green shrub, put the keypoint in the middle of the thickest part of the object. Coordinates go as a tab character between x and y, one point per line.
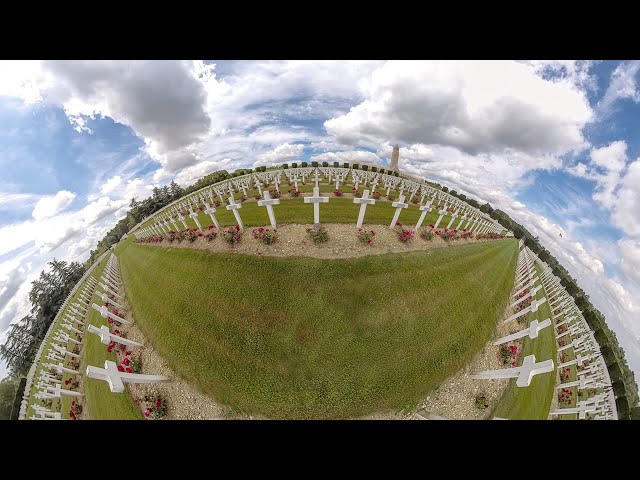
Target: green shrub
345	165
294	165
336	164
374	169
325	164
285	166
365	167
355	166
314	164
304	164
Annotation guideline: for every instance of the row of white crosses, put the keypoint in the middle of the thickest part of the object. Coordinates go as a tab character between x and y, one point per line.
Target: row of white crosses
49	385
115	379
50	347
592	369
476	221
523	374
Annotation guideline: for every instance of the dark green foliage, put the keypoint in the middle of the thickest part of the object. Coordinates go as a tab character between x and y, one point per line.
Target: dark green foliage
314	164
374	169
325	164
345	165
355	166
336	164
294	165
304	164
365	167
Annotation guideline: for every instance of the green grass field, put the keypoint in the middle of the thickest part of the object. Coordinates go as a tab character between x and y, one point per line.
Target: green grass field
310	338
532	402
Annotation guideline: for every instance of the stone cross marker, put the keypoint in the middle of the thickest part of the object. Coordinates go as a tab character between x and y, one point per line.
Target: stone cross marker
399	205
316	199
235	206
116	379
453	217
524	373
317	179
532	332
211	212
109	290
364	201
104	311
442	213
269	203
424	209
276	182
259	187
194	215
531	308
105	298
106	336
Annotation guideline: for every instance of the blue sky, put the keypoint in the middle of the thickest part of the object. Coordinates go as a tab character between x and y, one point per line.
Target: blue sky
553	143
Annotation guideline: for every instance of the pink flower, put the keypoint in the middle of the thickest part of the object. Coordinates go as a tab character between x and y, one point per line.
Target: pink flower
158	403
120	368
128	370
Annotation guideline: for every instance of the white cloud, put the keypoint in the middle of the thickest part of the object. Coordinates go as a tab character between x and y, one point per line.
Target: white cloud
630	259
111	184
622	85
478	107
281	154
626	213
52	205
347	156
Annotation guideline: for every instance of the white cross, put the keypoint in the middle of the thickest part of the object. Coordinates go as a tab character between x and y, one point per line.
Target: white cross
316	199
104	311
235	206
116	379
364	201
211	211
63	351
106	336
59	367
532	332
584	407
316	179
442	214
69	327
453	217
399	205
531	293
258	187
524	373
66	338
531	308
109	290
337	182
105	298
424	209
269	202
194	215
276	182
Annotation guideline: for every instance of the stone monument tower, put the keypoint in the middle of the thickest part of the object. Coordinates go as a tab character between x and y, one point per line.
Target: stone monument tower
394	158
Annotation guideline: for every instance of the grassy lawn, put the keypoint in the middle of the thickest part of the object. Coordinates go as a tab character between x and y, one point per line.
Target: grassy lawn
532	402
338	210
308	338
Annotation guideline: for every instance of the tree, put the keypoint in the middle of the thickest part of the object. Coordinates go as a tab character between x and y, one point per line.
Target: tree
8	390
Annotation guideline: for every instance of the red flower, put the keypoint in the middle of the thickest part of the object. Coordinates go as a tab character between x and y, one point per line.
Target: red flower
128	370
237	227
72	415
146	414
128	352
116	332
260	229
120	368
199	234
126	362
158	403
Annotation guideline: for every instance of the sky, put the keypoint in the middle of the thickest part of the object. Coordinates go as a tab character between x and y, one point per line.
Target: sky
555	144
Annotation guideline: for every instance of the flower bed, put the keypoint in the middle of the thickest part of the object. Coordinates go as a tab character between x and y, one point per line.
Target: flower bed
376	195
265	235
357	193
508	354
232	235
274	193
157	407
366	236
293	192
337	192
427	234
318	234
